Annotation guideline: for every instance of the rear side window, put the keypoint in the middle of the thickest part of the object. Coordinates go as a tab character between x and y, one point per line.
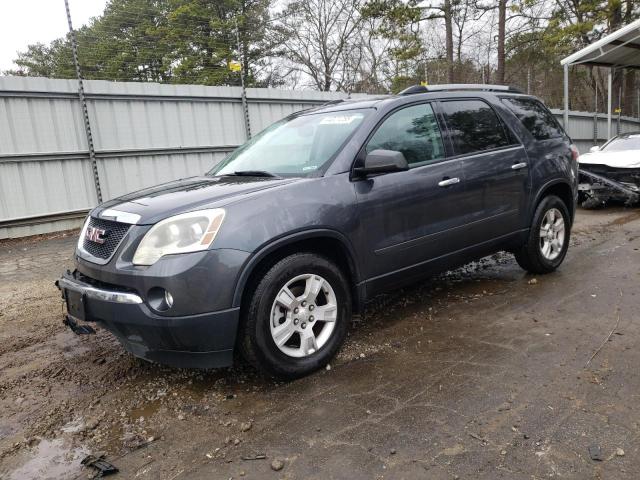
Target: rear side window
413	131
474	126
535	117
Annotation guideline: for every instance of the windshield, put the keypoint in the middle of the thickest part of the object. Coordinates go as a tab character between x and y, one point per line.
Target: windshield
294	147
626	142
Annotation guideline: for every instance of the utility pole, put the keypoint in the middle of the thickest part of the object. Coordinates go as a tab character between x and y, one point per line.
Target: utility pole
83	104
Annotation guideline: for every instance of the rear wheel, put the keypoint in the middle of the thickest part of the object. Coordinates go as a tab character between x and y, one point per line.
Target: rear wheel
548	239
297	318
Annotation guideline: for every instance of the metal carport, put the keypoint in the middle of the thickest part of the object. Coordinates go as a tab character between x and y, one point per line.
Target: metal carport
618	50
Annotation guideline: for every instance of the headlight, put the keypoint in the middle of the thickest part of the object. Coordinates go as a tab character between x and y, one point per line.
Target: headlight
188	232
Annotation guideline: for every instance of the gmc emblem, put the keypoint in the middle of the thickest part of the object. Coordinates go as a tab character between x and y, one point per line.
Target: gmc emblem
96	235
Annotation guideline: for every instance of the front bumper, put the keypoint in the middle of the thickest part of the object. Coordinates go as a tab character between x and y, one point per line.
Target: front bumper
602	183
204	340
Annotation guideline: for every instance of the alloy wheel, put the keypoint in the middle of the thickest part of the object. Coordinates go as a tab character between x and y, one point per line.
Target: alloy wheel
552	234
303	315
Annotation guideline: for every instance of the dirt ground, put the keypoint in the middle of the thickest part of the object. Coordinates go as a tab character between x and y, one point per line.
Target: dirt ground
480	373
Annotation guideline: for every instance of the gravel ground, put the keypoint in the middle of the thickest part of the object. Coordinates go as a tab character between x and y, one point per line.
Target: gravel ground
477	373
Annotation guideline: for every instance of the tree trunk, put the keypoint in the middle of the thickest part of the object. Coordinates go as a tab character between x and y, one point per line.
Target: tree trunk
449	40
502	20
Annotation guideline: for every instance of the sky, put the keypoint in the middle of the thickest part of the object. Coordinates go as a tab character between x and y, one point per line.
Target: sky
23	22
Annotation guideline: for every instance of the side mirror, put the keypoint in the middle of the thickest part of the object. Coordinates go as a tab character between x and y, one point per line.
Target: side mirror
594	149
382	161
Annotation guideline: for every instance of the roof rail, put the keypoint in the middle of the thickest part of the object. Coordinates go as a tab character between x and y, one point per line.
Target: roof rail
459	86
332	102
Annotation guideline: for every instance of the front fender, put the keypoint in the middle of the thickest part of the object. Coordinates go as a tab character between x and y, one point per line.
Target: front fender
282	242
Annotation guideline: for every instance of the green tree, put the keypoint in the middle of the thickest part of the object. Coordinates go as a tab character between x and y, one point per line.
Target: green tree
41	60
178	41
203	34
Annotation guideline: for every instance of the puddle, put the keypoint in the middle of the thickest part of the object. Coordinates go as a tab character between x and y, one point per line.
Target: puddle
51	460
147	410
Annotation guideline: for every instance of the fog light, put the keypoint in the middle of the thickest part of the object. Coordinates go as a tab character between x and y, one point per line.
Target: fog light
160	299
168	298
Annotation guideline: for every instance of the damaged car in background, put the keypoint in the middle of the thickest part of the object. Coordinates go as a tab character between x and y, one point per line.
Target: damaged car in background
611	172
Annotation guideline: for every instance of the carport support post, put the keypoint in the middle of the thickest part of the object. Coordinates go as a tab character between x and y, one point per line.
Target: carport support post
609	87
566	97
595	117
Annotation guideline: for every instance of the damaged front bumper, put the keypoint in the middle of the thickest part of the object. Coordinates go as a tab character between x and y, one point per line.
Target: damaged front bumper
194	341
600	184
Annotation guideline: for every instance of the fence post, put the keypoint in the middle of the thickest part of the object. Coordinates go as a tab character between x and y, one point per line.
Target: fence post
243	96
83	105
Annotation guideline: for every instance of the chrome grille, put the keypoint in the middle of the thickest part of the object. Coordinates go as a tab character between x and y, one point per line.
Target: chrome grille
114	233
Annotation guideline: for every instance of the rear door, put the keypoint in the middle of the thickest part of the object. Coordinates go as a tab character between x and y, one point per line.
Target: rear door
550	151
496	168
407	218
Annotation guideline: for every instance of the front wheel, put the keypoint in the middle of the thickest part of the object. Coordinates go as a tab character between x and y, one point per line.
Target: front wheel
548	239
297	318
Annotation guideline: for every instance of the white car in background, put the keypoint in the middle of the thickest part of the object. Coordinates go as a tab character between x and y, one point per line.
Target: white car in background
611	172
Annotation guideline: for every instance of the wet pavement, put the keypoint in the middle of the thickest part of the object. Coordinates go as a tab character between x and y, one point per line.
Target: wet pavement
483	372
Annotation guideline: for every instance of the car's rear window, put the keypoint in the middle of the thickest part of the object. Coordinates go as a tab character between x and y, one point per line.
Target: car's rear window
535	117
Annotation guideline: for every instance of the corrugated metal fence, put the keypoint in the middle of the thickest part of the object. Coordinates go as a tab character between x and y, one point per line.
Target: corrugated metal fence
143	134
586	132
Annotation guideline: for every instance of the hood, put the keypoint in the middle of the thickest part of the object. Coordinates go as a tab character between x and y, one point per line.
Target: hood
622	159
196	193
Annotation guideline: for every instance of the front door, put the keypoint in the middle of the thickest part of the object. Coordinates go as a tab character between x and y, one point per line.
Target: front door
409	218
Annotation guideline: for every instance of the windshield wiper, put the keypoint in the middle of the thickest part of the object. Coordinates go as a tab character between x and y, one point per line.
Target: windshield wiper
250	173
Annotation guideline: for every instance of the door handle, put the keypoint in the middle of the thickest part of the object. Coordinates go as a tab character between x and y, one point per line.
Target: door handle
518	166
448	181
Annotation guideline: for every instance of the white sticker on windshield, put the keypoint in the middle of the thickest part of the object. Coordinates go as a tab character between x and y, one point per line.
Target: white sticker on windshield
311	167
340	119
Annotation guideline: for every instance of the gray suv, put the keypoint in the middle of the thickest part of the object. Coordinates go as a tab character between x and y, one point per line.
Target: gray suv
271	252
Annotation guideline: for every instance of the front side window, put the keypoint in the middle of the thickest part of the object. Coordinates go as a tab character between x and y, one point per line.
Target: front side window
413	131
474	126
535	117
294	147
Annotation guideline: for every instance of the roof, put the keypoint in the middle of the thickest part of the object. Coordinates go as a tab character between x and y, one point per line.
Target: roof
457	90
620	49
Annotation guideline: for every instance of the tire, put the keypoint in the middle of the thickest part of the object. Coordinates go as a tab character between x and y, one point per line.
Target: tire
264	318
534	257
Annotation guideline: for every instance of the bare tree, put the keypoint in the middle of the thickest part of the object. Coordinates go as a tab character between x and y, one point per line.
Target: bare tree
316	37
445	11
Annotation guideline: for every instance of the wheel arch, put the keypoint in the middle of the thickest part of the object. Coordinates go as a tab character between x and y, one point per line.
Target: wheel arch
326	242
559	188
